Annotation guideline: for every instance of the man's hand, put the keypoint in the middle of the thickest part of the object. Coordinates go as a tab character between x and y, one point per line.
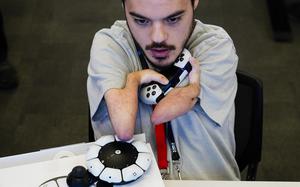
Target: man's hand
148	75
179	100
122	103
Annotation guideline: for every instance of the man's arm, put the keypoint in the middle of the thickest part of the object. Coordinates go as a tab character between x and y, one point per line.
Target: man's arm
123	103
179	100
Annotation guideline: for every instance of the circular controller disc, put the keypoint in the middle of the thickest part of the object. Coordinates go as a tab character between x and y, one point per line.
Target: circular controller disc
118	162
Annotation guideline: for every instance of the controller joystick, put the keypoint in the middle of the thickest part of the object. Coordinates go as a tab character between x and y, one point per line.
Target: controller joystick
78	177
153	92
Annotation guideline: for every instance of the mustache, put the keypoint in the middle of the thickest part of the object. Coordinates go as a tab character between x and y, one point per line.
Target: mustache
162	45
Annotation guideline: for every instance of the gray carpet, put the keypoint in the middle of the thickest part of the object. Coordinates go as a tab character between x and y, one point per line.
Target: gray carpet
49	44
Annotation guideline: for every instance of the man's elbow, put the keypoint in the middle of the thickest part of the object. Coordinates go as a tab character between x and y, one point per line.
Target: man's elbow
125	135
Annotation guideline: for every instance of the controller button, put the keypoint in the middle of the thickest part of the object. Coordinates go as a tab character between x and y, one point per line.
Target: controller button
148	95
154	87
154	92
148	89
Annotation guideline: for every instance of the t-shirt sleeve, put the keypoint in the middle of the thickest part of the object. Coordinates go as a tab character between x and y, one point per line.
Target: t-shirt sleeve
106	69
218	63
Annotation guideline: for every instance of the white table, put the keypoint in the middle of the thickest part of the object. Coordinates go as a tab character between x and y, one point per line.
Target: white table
23	170
188	183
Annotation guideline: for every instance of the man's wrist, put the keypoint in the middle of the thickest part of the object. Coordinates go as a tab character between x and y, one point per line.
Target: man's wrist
133	79
194	90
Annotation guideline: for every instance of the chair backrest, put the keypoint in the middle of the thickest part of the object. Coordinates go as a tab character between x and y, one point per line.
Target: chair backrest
248	123
91	131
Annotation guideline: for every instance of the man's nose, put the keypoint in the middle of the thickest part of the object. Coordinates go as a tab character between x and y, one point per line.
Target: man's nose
159	33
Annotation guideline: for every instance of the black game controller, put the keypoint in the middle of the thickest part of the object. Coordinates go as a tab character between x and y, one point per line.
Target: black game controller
153	92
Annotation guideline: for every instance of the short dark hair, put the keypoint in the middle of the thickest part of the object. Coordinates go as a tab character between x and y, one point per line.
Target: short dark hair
191	1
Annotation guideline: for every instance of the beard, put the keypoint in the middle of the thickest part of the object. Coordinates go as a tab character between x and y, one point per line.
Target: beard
161	45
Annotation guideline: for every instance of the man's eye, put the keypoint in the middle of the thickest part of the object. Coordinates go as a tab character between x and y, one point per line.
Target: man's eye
141	21
173	20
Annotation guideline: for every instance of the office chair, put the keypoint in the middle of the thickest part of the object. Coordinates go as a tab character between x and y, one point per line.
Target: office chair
91	131
248	123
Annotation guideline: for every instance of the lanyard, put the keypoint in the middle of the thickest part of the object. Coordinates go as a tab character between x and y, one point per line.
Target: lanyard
161	146
174	151
175	155
163	132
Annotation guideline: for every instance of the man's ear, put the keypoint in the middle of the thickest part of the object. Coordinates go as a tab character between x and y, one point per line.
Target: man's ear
196	4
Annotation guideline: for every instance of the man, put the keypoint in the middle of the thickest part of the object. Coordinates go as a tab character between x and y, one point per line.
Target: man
8	77
201	110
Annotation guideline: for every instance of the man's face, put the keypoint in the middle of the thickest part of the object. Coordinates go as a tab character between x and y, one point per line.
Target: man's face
160	27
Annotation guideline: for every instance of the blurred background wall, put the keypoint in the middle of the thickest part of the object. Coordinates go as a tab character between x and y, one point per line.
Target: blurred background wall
49	43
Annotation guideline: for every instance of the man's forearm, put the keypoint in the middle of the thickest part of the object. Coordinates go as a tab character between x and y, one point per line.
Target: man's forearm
176	103
179	100
122	106
123	103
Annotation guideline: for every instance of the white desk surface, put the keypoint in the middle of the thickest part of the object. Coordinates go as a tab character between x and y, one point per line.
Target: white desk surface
36	173
7	165
190	183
